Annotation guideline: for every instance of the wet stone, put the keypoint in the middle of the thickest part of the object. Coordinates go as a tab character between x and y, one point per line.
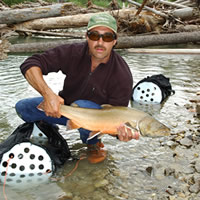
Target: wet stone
149	170
195	188
170	190
77	198
190	180
124	196
169	172
197	167
101	183
198	109
170	144
68	195
189	169
172	198
186	142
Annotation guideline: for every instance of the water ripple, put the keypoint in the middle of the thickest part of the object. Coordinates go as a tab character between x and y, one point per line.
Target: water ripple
127	163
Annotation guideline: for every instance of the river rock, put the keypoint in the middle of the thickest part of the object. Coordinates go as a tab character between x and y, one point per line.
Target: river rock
101	183
77	198
186	142
169	172
198	109
170	143
195	188
149	170
67	195
197	167
170	190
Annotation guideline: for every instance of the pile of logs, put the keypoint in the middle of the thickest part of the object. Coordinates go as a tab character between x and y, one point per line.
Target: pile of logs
140	25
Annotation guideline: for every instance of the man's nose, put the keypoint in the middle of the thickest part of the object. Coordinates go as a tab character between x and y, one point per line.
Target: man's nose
100	41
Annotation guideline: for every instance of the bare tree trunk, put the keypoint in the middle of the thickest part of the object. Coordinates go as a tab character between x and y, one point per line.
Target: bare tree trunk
173	4
183	13
67	21
20	15
164	51
157	40
123	42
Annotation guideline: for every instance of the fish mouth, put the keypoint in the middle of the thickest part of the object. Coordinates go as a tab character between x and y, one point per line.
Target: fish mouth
158	133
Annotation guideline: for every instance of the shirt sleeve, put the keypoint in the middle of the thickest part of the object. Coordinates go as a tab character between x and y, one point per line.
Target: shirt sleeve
52	60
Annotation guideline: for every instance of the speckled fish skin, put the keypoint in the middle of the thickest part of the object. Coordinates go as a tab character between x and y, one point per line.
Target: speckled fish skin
108	119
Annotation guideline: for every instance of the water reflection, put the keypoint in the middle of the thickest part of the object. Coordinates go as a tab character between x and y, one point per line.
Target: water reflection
125	174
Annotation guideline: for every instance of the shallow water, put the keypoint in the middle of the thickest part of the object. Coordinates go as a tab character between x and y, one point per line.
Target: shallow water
132	170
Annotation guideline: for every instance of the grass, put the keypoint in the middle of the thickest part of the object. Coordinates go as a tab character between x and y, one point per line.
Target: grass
102	3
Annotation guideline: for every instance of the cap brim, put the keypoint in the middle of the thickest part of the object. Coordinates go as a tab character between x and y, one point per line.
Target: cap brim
102	25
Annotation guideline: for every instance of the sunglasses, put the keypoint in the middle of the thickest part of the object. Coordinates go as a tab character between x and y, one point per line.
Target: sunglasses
106	37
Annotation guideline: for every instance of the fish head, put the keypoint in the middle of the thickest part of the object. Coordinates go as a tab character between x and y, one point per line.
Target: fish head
153	128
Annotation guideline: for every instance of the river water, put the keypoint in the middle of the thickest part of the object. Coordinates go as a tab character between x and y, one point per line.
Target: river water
132	170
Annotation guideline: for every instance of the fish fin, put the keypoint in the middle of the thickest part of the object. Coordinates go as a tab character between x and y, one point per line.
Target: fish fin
136	128
94	134
71	125
41	106
104	106
74	105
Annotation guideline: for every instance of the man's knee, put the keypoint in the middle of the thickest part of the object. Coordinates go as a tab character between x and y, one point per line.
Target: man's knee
26	109
19	108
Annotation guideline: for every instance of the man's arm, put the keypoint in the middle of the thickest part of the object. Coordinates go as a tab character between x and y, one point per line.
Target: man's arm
52	101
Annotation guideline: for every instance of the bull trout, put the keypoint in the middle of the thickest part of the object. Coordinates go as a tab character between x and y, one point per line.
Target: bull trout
108	119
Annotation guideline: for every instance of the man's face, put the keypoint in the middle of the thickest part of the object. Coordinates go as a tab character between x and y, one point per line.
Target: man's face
100	49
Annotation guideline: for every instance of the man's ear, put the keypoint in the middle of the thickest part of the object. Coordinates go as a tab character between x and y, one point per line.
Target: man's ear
115	44
86	37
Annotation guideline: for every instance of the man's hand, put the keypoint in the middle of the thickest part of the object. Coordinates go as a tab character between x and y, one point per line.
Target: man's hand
126	134
52	102
51	105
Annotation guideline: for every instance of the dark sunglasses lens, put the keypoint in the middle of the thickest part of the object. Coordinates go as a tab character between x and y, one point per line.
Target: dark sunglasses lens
93	36
107	37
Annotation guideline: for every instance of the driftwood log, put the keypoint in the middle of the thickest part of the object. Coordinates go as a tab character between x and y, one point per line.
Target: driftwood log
72	21
182	13
123	42
72	35
13	16
157	40
165	2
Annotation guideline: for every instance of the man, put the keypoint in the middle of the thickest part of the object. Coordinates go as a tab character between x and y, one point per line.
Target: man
95	75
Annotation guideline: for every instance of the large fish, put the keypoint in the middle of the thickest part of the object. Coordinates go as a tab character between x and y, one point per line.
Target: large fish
109	118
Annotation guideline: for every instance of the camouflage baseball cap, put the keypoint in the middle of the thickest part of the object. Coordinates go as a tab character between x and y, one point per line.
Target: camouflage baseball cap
102	19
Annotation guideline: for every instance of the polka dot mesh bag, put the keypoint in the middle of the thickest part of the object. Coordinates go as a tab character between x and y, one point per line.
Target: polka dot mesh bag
31	154
153	89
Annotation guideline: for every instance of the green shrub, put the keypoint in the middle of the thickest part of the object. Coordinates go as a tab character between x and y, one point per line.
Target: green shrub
103	3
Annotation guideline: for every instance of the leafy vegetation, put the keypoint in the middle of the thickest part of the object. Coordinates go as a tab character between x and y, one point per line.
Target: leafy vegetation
103	3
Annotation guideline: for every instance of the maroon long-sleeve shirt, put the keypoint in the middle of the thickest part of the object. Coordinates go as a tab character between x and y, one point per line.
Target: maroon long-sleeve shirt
109	83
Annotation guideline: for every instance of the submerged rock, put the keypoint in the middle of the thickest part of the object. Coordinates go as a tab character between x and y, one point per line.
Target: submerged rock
101	183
